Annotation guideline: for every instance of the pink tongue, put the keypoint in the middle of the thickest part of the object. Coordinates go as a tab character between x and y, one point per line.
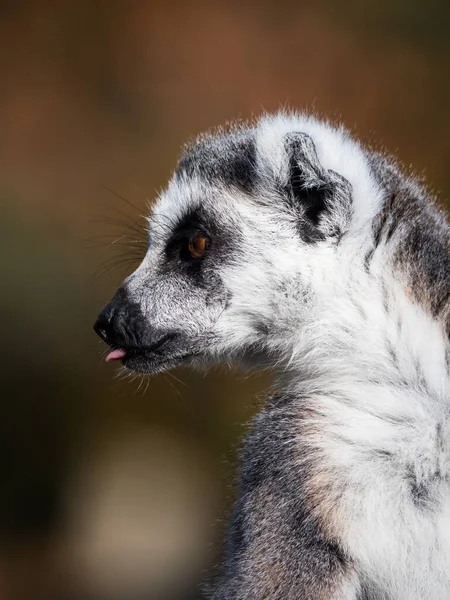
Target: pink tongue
116	355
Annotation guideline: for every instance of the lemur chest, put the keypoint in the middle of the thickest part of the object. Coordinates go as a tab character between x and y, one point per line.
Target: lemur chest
399	536
388	488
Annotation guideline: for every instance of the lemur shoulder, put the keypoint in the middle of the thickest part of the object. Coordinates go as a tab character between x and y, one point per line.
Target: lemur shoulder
286	243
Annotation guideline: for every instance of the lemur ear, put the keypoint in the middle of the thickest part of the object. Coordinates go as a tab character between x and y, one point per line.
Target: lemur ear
316	193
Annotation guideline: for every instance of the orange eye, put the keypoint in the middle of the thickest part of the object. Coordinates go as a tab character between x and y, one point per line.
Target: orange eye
197	246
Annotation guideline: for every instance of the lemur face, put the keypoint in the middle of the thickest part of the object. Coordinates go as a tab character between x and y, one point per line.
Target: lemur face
233	252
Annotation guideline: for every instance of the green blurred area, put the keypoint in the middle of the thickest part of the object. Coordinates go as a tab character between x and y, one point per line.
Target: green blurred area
110	488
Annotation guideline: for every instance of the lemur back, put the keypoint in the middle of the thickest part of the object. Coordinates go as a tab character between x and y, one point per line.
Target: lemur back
285	243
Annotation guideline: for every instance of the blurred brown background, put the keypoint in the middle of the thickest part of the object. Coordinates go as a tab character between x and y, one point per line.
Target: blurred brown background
110	490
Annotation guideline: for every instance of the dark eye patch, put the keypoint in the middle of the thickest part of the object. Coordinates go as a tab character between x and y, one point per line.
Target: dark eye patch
194	223
222	243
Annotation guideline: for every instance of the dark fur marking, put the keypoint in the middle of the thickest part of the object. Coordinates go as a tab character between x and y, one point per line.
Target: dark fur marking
420	495
383	453
262	328
312	199
368	259
306	187
440	441
390	230
422	492
276	548
423	254
229	159
370	591
383	227
313	191
222	243
392	354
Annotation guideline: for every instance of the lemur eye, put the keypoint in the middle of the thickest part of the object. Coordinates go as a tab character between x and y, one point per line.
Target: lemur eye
197	246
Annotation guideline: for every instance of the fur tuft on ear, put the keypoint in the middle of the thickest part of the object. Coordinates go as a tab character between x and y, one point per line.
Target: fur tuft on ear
319	196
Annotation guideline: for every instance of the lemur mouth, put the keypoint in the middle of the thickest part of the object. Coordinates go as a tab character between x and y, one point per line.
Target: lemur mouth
124	352
166	353
118	354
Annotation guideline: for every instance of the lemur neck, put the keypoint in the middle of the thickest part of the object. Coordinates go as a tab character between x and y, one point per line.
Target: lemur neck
370	330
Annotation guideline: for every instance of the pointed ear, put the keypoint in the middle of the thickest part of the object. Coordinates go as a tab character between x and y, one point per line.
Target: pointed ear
318	195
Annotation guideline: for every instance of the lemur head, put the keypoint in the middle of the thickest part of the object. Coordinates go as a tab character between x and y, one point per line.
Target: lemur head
241	244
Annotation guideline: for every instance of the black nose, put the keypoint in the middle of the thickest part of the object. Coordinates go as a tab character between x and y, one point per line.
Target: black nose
104	325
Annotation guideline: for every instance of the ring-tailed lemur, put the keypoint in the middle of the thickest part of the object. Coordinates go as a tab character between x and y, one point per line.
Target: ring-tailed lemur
286	243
